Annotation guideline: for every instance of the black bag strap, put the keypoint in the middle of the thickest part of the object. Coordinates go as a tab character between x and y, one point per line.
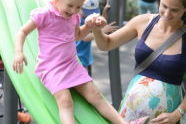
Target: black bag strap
143	65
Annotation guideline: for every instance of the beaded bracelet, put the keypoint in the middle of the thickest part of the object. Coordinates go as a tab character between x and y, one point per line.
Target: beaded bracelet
181	111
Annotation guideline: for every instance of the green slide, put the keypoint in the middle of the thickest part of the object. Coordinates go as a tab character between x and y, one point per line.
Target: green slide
39	102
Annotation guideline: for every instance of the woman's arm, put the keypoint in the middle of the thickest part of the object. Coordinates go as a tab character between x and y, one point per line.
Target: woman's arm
183	104
170	118
121	36
19	58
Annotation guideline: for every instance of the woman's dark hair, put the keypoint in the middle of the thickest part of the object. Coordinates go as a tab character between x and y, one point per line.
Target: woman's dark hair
158	1
184	4
184	15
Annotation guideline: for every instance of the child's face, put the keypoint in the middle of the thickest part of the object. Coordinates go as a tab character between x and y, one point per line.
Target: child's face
68	7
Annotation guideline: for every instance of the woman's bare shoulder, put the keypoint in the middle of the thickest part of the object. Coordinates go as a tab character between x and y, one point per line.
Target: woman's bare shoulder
141	21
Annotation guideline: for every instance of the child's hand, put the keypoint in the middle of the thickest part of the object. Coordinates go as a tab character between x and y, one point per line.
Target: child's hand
19	61
95	21
106	10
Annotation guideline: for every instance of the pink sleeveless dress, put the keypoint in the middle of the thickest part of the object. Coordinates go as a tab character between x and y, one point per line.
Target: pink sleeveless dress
58	67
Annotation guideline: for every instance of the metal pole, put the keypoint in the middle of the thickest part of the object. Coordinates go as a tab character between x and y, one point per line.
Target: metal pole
114	62
10	102
122	12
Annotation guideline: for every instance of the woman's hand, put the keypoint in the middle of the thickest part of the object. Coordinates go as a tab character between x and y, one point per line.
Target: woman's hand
167	118
95	21
111	27
19	61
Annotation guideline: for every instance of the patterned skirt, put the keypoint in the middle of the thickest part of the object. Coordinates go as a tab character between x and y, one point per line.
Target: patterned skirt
149	97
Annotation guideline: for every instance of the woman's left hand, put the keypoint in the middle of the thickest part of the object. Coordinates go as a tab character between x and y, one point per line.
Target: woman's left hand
167	118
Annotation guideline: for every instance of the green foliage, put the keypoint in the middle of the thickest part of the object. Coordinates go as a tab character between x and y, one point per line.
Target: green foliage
132	9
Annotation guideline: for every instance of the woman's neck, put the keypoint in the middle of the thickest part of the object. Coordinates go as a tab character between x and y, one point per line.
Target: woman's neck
164	26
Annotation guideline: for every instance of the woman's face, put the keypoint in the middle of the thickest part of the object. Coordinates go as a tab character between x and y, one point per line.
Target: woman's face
171	10
69	7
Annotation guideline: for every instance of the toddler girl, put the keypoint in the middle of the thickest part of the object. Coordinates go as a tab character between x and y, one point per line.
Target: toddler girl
58	67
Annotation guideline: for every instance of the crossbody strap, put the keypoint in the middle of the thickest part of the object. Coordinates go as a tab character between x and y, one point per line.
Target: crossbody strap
143	65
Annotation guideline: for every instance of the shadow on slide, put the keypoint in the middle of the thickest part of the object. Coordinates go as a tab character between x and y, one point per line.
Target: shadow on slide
39	102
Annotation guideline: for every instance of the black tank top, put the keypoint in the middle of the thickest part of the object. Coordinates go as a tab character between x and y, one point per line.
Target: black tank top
167	68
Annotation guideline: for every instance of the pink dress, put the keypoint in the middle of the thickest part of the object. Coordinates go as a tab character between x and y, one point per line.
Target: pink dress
58	67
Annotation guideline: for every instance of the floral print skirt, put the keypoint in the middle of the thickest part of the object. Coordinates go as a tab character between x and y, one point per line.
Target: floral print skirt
149	97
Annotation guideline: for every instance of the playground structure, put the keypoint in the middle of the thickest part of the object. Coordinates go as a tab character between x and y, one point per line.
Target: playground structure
35	97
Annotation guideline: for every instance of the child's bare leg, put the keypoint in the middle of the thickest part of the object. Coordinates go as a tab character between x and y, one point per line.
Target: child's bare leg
94	97
65	105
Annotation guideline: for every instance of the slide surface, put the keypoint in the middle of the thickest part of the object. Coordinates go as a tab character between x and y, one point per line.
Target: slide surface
39	102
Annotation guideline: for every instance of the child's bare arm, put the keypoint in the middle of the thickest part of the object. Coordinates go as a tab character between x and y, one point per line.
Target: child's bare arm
82	32
106	9
95	20
19	58
23	32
